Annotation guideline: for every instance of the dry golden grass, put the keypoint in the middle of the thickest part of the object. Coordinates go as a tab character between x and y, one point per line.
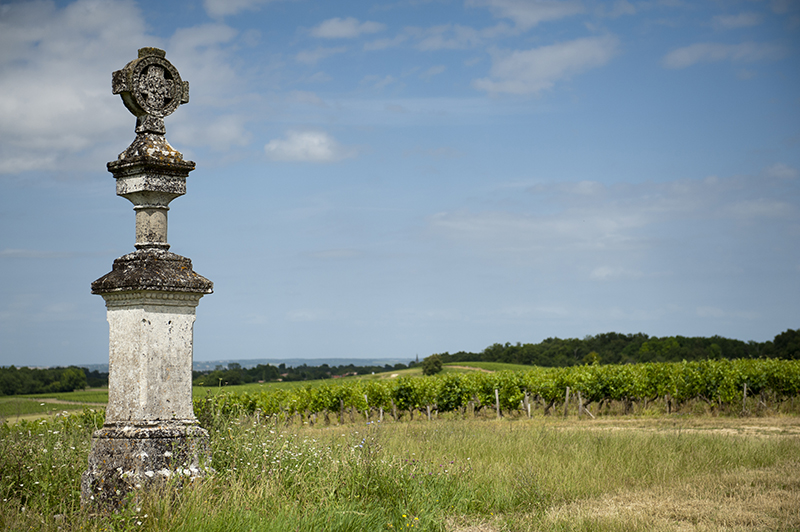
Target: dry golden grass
740	500
744	500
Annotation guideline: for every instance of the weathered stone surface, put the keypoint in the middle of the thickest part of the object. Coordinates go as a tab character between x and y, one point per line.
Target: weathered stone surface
128	458
151	149
152	269
150	434
151	89
150	174
150	357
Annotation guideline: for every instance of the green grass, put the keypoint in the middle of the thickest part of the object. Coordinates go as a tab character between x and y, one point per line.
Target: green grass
202	391
394	374
91	395
11	407
253	387
451	474
491	366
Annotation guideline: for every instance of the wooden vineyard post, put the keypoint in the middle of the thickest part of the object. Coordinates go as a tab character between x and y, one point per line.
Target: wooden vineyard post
497	402
744	399
580	406
526	402
566	402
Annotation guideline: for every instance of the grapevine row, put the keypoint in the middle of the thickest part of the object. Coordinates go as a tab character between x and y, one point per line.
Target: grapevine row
720	382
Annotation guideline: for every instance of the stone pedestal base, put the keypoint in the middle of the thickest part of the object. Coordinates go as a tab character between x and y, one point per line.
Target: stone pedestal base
125	458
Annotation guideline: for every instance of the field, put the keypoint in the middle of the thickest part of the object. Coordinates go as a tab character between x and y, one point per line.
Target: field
671	473
32	406
15	407
663	447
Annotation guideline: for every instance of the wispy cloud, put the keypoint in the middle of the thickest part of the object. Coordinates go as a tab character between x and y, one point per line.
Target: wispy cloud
54	76
346	28
433	71
308	146
742	20
528	13
707	52
453	36
614	225
311	57
54	69
531	71
224	8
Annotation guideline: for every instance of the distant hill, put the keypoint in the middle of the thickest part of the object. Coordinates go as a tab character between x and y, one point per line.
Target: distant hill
202	365
205	365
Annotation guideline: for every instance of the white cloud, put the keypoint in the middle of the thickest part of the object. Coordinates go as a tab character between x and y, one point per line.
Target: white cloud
781	171
531	71
223	8
347	28
382	44
311	57
442	37
620	7
528	13
433	71
201	55
55	78
307	146
742	20
748	52
614	226
453	36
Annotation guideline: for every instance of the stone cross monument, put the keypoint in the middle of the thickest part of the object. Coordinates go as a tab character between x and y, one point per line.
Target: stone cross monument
150	431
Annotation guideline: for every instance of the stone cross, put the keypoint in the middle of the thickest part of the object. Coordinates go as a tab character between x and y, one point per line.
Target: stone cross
150	432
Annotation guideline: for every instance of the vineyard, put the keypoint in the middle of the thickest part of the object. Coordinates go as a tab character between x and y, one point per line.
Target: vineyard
722	384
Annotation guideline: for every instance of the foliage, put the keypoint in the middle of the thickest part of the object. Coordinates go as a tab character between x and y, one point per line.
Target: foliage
24	380
432	365
446	475
717	382
235	374
616	348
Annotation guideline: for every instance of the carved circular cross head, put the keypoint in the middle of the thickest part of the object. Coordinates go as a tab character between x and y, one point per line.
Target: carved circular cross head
151	89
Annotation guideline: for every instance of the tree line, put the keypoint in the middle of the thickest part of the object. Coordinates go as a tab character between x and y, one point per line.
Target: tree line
617	348
236	374
24	380
606	348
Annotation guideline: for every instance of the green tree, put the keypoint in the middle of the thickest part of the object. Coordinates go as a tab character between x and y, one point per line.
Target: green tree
787	344
73	379
432	365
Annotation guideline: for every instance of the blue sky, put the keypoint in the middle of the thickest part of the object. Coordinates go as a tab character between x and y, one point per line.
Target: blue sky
399	178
